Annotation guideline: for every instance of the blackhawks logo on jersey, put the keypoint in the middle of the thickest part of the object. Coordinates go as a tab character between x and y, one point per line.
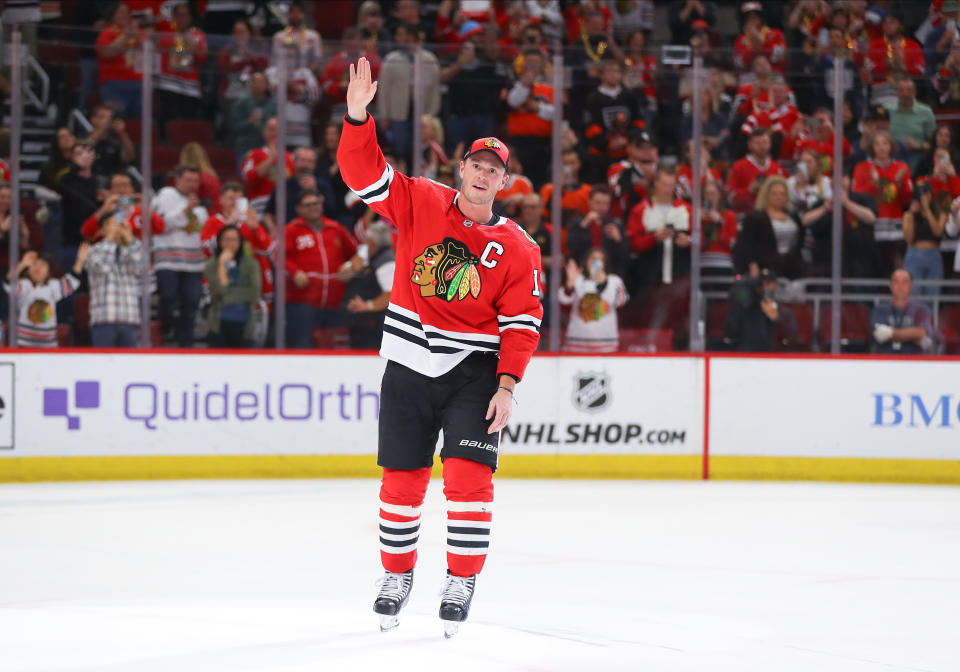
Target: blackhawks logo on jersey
447	270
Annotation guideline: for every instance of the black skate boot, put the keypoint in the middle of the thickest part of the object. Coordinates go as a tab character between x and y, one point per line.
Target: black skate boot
455	602
394	592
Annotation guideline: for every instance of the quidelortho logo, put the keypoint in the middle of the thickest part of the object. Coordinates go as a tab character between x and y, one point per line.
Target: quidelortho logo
7	406
56	401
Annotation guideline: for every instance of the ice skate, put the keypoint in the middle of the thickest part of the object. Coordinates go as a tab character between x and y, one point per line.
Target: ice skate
455	602
394	592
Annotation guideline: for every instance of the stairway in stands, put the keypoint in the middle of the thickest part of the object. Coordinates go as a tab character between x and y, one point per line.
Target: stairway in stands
38	131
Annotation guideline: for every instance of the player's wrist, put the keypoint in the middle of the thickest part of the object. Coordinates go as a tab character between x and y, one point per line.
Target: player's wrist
357	117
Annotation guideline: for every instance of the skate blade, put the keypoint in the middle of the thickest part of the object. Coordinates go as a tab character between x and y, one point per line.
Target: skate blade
388	623
450	628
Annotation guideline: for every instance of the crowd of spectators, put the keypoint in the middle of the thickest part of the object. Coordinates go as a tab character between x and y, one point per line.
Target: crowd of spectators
487	69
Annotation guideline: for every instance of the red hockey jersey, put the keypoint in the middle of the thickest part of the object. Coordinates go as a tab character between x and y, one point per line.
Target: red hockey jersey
742	175
459	285
880	57
259	187
774	47
892	195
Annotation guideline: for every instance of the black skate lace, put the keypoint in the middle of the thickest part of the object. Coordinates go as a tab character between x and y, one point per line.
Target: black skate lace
393	585
456	589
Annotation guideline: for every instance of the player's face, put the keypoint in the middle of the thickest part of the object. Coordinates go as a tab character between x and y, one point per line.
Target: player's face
482	176
425	269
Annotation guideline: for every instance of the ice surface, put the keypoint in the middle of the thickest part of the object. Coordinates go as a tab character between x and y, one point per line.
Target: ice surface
582	576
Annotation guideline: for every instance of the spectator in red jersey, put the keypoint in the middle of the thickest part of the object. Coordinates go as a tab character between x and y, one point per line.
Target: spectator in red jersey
336	74
747	175
718	227
316	249
124	204
237	61
943	179
235	211
889	59
630	180
234	283
821	140
575	195
5	170
530	115
770	235
260	168
250	114
754	94
685	171
119	60
452	29
599	229
890	184
780	117
804	24
611	111
182	51
658	231
758	39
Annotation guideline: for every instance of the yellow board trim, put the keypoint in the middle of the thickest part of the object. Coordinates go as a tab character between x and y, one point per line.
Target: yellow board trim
32	469
865	470
679	467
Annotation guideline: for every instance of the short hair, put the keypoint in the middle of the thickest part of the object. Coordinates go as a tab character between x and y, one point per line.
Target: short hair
408	27
352	33
179	171
758	132
306	193
120	173
231	185
379	233
600	189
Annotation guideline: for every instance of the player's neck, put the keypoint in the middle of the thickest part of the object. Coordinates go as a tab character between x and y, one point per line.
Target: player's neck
478	213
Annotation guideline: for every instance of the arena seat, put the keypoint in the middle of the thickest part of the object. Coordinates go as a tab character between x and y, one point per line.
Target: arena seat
803	315
164	159
950	328
223	160
332	338
181	131
135	131
854	327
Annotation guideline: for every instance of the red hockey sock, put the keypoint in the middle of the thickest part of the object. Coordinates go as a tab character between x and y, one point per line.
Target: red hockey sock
401	494
468	487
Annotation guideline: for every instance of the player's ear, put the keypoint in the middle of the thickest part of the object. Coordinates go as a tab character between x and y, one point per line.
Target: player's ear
462	165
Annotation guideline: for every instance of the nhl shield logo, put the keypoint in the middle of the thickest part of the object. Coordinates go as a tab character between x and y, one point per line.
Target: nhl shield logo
591	391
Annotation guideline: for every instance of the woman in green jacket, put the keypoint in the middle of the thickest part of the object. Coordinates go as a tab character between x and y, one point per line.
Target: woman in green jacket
234	281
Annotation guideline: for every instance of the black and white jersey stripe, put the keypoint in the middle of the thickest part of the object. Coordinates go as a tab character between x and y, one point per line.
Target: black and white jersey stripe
379	190
528	322
425	348
468	537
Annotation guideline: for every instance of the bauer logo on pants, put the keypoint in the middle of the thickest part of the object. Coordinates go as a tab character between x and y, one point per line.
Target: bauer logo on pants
591	391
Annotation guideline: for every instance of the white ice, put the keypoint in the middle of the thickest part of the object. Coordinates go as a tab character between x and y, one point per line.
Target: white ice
582	576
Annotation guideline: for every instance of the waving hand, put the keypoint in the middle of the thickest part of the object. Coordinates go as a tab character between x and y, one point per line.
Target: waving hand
361	90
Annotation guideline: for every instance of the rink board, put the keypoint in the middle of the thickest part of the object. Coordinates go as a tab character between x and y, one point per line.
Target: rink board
82	415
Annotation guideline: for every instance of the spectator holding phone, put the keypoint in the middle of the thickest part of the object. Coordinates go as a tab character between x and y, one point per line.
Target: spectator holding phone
38	293
234	281
595	295
113	271
923	226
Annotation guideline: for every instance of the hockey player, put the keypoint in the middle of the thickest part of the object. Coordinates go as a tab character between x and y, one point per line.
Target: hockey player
466	289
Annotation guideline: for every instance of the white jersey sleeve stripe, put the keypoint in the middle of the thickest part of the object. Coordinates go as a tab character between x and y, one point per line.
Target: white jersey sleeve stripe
518	318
